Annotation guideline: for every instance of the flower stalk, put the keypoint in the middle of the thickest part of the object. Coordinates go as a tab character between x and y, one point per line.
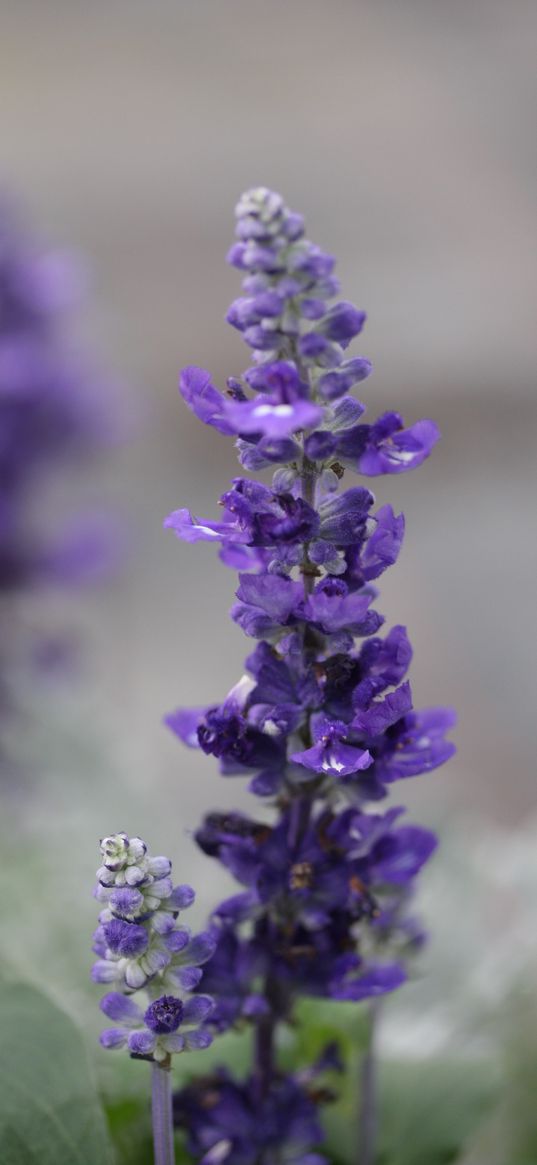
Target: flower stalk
163	1142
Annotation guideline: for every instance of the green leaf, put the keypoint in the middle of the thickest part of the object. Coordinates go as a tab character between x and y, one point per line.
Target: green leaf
430	1109
50	1113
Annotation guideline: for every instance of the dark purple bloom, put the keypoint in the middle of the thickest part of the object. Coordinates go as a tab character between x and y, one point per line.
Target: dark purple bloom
343	516
229	1123
415	744
164	1015
266	603
331	753
332	608
386	446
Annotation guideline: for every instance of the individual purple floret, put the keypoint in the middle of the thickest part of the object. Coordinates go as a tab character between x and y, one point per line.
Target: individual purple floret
323	721
155	1032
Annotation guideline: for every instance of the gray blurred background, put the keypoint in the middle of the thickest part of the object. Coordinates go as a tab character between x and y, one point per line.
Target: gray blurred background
404	131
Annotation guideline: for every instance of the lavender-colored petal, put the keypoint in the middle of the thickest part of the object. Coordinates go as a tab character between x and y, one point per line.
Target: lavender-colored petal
191	529
375	980
393	449
142	1043
203	398
200	948
181	898
381	714
186	977
121	1008
113	1037
184	722
197	1009
272	418
195	1040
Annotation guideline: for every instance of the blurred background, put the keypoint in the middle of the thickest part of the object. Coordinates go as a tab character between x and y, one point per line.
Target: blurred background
403	130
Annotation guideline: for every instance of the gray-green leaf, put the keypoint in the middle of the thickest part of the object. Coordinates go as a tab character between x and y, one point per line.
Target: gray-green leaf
50	1113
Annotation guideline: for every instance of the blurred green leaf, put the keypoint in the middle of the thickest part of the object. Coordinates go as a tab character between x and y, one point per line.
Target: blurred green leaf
428	1110
50	1113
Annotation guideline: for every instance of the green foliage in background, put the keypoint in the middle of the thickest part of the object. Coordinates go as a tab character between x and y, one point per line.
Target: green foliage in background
50	1113
435	1111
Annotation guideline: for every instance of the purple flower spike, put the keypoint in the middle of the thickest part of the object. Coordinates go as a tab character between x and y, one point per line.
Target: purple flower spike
322	723
153	953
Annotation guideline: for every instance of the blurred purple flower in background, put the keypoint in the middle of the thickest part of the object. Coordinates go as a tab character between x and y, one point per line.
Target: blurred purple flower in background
57	410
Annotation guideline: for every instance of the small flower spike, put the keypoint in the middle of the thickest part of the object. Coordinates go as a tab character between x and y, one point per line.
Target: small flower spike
142	945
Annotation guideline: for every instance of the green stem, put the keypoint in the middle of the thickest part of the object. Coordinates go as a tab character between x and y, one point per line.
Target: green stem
367	1120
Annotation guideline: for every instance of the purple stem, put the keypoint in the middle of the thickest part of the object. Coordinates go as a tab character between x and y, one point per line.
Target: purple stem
163	1143
263	1054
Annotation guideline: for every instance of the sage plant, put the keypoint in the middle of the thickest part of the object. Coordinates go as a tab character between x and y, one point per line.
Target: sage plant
141	946
323	722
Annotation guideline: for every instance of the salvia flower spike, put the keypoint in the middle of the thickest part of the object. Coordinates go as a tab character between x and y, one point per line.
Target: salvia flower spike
142	946
323	722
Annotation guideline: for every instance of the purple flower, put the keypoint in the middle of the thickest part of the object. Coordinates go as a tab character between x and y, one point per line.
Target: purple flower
141	946
155	1033
323	723
386	446
270	418
415	744
56	410
330	754
266	603
230	1124
332	608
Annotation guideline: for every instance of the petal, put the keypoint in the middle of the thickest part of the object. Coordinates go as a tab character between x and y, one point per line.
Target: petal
203	398
113	1037
177	940
173	1043
180	898
135	977
185	977
104	972
121	1007
142	1043
200	949
198	1039
197	1009
184	722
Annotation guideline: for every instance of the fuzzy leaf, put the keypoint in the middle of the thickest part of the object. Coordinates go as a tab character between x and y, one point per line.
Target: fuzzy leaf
50	1113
